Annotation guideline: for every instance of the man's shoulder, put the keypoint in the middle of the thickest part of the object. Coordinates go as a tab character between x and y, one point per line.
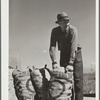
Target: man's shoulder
73	29
56	28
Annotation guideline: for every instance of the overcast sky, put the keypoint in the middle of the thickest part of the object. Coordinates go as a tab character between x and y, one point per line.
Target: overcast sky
31	22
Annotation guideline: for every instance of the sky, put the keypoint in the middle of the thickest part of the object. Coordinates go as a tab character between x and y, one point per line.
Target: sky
31	22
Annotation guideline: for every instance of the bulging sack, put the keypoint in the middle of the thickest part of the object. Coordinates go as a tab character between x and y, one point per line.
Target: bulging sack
60	85
20	80
40	83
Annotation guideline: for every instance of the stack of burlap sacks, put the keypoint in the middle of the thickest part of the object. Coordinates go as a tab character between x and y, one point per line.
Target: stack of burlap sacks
48	84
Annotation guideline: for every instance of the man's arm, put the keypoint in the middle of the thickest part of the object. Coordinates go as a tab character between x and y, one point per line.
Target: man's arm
74	41
52	50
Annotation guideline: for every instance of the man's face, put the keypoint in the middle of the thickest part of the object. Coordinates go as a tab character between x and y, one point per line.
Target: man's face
63	24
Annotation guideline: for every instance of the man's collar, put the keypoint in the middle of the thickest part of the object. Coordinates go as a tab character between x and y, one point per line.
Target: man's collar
67	30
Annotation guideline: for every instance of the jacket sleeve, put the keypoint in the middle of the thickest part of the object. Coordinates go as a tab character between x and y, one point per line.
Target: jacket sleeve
52	49
74	42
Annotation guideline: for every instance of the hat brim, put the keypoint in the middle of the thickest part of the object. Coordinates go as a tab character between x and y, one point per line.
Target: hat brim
65	19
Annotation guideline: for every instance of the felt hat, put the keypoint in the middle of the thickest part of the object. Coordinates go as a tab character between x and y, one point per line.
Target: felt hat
62	16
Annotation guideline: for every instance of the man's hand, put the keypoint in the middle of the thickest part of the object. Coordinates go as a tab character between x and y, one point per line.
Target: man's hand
54	66
69	68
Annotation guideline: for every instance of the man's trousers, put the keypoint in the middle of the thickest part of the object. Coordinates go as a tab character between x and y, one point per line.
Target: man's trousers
78	71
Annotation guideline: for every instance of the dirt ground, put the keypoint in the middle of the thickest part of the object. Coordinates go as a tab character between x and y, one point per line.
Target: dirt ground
89	98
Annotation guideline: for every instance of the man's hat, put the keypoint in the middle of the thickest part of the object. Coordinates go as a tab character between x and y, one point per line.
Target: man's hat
62	16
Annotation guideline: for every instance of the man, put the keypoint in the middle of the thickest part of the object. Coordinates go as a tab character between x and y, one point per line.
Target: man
66	36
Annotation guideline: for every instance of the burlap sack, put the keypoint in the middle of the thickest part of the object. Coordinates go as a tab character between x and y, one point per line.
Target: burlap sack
20	81
60	85
40	83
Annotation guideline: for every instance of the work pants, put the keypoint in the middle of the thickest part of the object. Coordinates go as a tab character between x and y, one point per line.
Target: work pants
78	72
